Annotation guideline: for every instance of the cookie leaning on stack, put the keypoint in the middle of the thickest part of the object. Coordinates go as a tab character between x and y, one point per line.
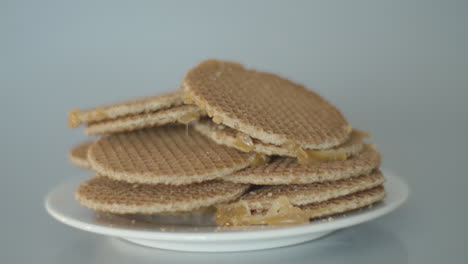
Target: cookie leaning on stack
136	114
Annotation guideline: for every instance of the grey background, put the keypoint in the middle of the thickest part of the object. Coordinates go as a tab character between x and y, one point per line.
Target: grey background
396	68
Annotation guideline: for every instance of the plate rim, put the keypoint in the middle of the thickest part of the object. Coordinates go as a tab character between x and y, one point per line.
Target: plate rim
347	221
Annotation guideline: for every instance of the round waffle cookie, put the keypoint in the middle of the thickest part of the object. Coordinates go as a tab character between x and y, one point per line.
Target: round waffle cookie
181	114
106	195
138	106
264	106
225	135
78	155
261	199
288	171
345	203
169	155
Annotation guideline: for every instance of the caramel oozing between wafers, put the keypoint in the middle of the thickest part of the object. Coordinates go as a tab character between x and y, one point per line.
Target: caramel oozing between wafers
244	142
281	212
310	156
259	160
189	117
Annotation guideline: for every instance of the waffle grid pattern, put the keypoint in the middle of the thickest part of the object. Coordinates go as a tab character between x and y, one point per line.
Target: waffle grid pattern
265	106
103	194
164	155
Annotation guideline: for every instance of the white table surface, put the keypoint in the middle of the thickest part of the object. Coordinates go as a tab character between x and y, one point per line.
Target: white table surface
396	68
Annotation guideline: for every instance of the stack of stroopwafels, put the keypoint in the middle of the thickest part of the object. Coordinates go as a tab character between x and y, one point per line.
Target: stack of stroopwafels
258	147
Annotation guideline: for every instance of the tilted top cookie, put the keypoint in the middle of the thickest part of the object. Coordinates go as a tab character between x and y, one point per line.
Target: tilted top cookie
264	106
183	114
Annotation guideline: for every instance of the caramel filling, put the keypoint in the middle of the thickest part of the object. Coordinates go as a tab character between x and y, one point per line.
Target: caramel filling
303	157
310	157
189	117
231	215
258	160
244	142
281	212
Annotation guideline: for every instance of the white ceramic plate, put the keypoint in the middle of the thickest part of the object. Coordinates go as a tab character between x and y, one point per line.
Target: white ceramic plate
199	234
